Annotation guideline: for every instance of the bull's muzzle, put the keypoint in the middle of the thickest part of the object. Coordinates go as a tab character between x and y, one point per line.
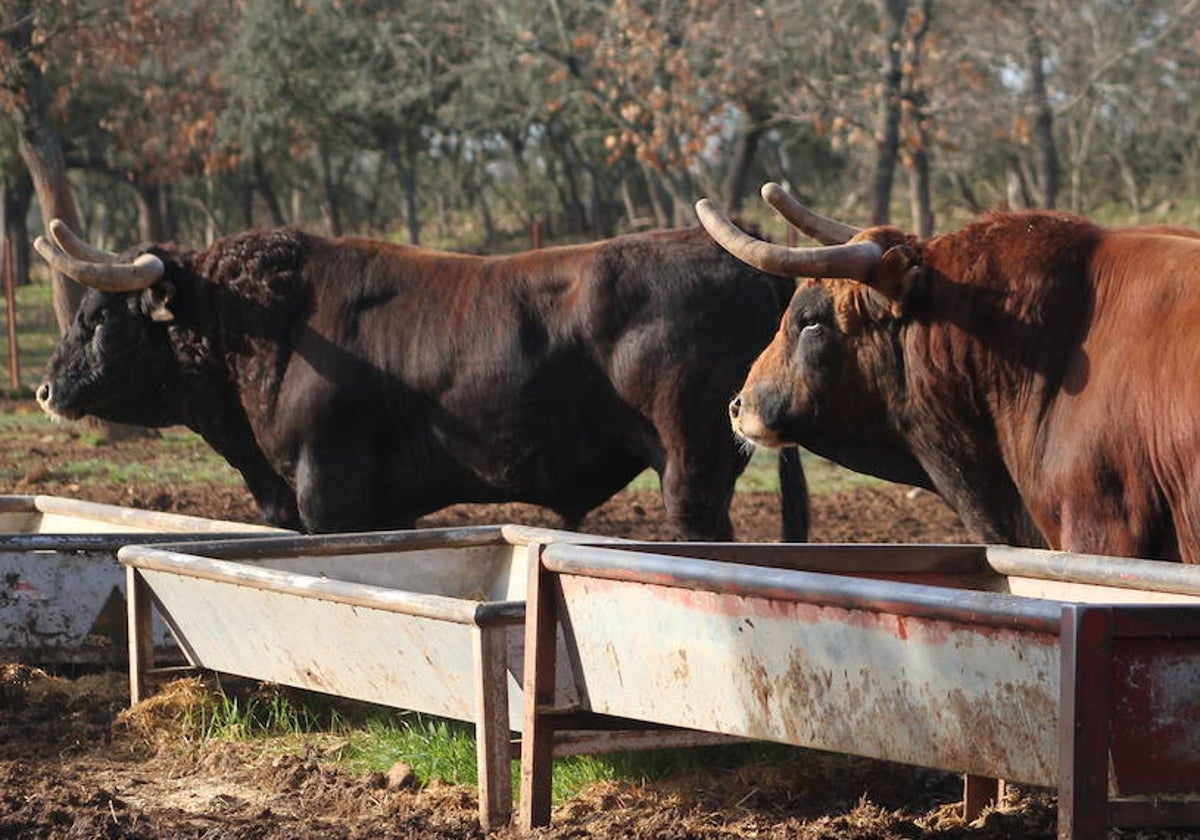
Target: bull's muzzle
45	399
735	407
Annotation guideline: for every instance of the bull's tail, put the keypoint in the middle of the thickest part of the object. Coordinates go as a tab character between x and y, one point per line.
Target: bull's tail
793	496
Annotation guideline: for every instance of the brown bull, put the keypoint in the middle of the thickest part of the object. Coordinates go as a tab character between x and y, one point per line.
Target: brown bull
359	385
1035	369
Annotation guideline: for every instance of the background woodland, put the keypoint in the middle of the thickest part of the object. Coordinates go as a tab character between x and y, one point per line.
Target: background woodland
466	123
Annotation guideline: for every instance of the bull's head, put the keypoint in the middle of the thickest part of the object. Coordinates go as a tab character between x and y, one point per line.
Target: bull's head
832	378
112	361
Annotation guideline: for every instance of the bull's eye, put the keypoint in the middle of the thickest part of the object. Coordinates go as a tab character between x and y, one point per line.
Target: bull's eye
815	348
99	334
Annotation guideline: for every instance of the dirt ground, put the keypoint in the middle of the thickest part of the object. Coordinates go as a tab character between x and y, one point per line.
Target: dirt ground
75	762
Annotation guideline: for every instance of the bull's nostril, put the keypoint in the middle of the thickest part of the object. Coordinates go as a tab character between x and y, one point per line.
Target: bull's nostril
735	407
43	392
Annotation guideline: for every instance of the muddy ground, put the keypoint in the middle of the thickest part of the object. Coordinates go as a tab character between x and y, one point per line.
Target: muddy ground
75	762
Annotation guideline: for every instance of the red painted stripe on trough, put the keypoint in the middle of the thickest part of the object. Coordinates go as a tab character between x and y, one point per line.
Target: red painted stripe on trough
982	608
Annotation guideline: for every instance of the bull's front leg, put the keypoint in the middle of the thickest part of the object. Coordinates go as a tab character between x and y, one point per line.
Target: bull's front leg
697	500
340	487
275	499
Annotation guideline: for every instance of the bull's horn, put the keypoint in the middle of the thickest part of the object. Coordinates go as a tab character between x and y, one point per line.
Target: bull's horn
852	260
70	255
825	230
74	245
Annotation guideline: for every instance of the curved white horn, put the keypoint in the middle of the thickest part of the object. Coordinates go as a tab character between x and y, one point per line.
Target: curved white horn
74	245
68	254
825	230
853	260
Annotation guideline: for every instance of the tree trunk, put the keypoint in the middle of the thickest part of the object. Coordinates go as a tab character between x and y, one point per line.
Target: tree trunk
920	194
18	194
568	186
915	101
405	162
40	147
154	214
331	204
262	184
41	150
887	138
733	190
1045	154
661	212
966	193
412	189
477	188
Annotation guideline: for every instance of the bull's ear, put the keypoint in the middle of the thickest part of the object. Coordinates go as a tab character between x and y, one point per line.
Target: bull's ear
155	302
894	277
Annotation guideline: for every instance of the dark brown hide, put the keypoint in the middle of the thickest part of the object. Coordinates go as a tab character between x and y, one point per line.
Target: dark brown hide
359	384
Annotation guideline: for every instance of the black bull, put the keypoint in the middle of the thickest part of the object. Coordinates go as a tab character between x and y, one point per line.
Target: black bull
358	385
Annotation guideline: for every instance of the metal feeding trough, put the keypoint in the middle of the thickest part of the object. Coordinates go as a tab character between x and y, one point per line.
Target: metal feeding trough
428	620
1073	672
62	592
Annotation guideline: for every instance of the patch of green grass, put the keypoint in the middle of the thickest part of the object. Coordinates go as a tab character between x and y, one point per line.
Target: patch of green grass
372	739
274	714
37	334
574	773
103	470
441	749
823	476
433	747
31	421
176	455
253	712
762	475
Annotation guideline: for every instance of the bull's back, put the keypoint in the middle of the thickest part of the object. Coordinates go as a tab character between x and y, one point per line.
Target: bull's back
675	303
420	314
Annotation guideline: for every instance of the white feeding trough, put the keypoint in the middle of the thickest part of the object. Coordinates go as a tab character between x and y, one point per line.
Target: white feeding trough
62	591
1077	673
428	620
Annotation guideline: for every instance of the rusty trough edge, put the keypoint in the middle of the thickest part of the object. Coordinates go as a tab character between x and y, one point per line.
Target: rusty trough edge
17	503
317	545
146	519
1097	569
108	542
909	599
841	558
517	534
456	610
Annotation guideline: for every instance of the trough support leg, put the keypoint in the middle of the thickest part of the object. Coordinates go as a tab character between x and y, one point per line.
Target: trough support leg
141	635
978	793
491	727
1084	722
537	733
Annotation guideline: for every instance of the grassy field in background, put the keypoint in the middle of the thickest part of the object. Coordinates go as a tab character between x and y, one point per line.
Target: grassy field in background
37	335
